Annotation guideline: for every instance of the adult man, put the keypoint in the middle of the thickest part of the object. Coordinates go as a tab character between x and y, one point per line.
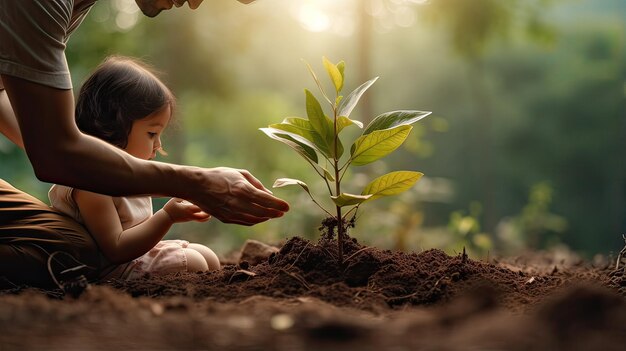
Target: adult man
37	113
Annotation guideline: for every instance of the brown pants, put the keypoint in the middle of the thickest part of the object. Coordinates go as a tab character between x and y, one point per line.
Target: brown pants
31	231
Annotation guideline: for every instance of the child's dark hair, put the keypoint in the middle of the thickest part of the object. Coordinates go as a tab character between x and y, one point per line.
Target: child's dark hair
120	91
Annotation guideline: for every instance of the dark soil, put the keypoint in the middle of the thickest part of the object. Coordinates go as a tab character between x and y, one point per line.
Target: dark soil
301	299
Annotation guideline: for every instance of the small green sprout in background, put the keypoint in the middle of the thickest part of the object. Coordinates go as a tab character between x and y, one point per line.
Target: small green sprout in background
317	140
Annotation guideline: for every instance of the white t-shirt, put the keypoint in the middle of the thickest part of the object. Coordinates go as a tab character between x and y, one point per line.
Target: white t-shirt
33	35
167	256
132	210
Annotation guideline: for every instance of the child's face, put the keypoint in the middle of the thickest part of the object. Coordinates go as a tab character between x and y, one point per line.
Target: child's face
145	135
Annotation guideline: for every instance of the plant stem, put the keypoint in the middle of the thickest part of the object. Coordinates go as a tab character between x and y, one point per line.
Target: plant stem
339	236
340	228
326	180
320	206
355	208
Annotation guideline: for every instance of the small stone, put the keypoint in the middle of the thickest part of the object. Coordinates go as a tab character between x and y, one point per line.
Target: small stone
157	309
281	321
255	252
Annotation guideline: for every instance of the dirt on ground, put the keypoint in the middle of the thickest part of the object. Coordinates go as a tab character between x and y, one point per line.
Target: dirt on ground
300	298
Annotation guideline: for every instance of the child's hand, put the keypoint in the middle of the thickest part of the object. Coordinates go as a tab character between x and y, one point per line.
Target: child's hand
180	210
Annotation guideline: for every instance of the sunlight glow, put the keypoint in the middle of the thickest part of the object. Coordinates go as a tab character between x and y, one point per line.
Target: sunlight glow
393	13
313	19
127	14
325	15
342	17
404	16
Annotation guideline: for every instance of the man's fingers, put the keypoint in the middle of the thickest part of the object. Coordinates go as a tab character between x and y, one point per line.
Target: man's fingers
240	211
239	218
269	201
255	209
242	219
263	197
255	182
236	196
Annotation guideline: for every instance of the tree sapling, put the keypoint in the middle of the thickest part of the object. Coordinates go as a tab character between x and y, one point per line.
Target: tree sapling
316	139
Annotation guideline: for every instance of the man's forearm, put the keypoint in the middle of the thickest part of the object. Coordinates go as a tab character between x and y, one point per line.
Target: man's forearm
8	123
91	164
61	154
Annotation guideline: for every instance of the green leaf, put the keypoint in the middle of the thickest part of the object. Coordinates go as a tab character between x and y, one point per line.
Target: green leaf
281	182
391	184
319	121
395	118
371	147
301	148
339	148
338	99
322	125
341	66
303	128
294	136
335	75
343	121
328	175
348	103
317	81
345	199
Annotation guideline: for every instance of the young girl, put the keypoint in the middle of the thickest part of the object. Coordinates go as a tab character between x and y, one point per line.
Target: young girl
126	105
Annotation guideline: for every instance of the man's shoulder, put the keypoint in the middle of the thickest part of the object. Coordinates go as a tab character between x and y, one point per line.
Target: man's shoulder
33	35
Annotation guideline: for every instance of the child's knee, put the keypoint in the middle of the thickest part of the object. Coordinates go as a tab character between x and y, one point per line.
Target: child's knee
212	261
195	261
210	257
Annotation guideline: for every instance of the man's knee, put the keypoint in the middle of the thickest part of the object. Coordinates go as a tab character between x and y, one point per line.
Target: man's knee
31	231
25	265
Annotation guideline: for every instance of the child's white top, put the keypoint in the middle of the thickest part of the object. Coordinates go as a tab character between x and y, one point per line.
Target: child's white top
167	256
132	210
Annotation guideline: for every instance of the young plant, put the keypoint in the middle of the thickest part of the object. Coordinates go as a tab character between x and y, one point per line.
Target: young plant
316	139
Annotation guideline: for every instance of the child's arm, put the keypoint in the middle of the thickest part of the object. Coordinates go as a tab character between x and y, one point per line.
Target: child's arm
118	245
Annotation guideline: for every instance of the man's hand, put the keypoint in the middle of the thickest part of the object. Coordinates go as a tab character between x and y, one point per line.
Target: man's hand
180	210
233	196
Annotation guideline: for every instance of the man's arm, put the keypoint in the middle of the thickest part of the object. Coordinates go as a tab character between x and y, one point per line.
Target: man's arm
8	122
61	154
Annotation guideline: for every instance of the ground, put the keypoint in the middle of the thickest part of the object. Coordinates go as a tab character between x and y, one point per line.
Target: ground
299	299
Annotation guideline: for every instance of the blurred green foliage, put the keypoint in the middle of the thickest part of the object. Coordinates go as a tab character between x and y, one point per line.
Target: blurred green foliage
529	122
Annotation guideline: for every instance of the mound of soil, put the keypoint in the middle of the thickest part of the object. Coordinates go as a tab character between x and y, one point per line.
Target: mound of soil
301	298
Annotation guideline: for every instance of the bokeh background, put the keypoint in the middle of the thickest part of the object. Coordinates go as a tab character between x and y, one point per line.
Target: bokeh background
525	149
